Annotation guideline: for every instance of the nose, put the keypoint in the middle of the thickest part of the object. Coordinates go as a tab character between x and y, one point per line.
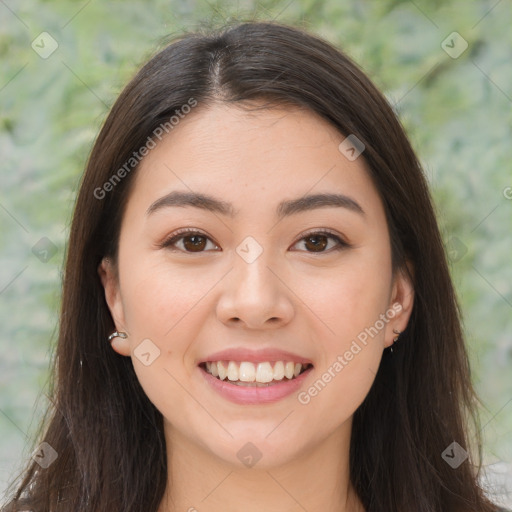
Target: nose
255	295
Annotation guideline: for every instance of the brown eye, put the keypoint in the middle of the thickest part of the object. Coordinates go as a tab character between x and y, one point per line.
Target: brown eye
188	241
316	243
194	243
320	241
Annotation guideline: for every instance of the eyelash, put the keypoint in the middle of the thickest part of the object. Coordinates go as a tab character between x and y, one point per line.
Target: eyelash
180	234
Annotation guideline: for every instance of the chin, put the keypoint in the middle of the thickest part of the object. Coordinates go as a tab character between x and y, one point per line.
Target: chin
258	451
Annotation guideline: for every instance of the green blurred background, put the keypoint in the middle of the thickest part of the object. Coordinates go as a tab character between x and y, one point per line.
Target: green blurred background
457	112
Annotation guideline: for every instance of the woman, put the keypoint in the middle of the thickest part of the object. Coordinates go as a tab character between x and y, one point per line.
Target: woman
257	310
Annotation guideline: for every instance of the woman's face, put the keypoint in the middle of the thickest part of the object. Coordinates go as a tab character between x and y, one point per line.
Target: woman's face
256	281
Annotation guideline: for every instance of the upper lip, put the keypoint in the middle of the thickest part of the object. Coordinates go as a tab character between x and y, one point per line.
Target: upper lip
255	356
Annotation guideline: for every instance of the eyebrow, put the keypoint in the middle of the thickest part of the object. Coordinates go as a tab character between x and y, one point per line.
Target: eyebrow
284	208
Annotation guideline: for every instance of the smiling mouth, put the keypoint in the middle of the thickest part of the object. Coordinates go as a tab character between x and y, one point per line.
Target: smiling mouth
246	373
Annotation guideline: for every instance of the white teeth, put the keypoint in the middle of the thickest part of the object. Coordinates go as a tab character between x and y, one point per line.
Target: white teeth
279	370
288	370
264	373
247	372
232	371
254	372
222	371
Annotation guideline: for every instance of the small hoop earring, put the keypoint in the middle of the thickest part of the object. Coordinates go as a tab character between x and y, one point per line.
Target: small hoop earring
117	334
395	339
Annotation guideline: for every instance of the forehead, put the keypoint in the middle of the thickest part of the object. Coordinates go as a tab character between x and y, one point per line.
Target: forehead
252	159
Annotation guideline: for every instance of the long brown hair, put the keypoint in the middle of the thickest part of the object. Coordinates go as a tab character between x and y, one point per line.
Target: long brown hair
109	436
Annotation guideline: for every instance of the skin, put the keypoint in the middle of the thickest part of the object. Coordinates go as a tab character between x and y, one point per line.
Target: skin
191	304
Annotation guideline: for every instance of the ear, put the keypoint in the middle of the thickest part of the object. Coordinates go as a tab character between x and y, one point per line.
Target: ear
110	282
402	301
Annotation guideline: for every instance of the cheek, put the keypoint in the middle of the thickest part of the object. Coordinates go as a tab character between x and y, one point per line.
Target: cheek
355	298
164	307
161	308
157	300
350	299
351	304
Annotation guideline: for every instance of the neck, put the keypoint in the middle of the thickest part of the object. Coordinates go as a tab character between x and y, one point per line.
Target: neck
317	480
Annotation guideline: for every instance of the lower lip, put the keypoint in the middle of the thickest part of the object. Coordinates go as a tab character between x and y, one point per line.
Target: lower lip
254	395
